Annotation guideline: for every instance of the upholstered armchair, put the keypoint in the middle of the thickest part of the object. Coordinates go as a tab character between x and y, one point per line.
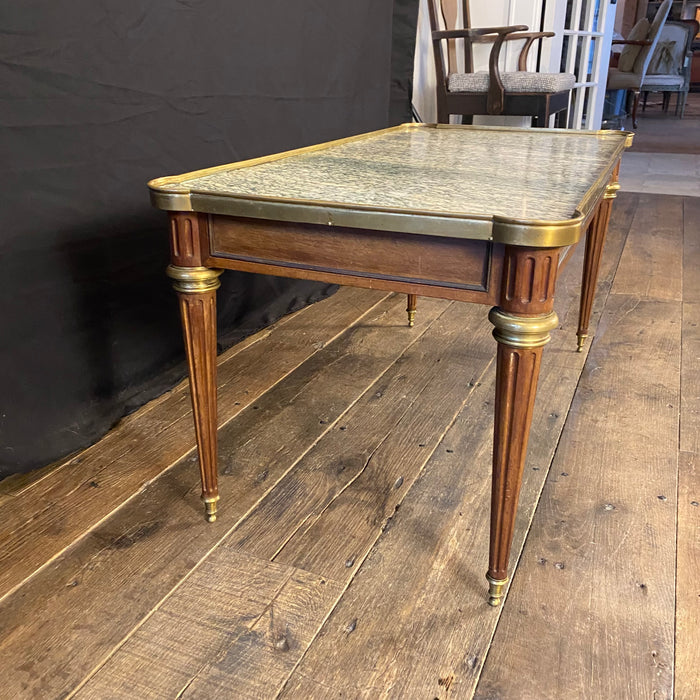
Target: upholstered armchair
669	68
636	55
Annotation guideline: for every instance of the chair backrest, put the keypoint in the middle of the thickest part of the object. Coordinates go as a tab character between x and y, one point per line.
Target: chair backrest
672	49
641	64
445	14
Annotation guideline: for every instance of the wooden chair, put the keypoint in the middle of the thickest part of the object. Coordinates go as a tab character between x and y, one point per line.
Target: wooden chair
517	93
635	57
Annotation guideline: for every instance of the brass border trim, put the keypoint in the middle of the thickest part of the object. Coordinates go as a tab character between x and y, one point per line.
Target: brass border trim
522	331
539	234
194	280
331	214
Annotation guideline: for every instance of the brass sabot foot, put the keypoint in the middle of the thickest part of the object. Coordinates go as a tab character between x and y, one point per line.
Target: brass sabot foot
496	590
581	339
411	318
210	507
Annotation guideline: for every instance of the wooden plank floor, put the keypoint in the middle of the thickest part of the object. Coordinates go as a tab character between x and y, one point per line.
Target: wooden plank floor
349	556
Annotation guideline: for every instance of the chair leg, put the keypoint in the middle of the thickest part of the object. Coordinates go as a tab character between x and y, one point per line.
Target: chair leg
683	98
666	101
644	101
635	104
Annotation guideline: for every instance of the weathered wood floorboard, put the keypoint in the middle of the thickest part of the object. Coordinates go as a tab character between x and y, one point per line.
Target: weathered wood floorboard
691	249
235	629
46	517
653	256
119	572
687	669
372	459
414	622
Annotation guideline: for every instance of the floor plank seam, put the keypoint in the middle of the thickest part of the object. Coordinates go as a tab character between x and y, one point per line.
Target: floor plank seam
383	529
242	518
231	642
184	388
313	517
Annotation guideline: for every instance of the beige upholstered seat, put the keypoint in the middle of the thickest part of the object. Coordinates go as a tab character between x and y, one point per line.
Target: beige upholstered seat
669	68
632	69
520	81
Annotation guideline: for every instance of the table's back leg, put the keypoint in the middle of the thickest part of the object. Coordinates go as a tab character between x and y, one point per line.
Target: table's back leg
595	239
411	303
522	325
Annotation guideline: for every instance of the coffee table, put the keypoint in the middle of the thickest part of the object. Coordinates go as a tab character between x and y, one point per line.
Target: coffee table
476	214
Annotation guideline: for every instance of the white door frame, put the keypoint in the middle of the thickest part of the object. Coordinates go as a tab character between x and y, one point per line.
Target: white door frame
584	40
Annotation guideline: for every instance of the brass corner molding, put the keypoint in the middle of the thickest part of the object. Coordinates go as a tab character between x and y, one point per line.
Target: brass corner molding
538	234
194	280
522	331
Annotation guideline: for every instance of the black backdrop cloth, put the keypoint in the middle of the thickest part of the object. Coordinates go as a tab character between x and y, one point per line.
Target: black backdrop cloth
100	96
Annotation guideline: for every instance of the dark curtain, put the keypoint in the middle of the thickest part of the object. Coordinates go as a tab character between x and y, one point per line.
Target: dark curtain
98	97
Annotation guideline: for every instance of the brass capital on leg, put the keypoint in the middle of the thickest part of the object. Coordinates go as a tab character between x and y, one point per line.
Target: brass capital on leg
522	331
194	280
611	190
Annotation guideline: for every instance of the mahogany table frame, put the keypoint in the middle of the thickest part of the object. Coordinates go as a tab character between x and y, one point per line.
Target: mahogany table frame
516	278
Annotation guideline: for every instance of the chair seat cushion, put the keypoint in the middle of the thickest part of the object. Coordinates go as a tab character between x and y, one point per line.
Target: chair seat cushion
620	80
669	81
518	81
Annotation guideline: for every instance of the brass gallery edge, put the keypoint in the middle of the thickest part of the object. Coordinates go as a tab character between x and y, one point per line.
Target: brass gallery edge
167	194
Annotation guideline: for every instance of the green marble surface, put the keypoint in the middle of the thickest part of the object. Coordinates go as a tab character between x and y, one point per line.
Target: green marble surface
530	174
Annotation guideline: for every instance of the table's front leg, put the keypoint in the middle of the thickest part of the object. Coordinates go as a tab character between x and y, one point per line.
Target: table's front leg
595	239
196	288
522	323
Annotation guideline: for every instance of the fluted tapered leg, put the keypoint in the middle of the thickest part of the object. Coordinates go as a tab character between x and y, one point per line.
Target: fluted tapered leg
595	240
196	288
522	324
